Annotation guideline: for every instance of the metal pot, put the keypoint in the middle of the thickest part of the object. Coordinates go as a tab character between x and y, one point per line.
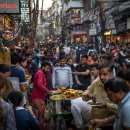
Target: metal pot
59	106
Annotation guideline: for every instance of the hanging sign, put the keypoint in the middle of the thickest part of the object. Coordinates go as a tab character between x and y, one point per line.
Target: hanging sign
25	11
9	6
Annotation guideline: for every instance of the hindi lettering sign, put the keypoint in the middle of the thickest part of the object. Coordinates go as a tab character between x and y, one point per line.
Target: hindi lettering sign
9	6
25	11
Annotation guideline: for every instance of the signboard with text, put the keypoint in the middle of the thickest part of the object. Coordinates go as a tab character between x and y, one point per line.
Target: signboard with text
78	32
92	31
9	6
25	11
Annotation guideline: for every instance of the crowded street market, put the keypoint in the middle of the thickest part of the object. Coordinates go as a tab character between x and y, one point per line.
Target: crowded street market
64	64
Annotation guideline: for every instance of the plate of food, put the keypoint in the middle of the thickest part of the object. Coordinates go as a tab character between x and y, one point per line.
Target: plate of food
60	90
91	103
71	93
80	92
58	97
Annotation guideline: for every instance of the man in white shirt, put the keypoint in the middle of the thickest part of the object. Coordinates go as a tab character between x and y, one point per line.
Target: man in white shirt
95	92
81	110
62	75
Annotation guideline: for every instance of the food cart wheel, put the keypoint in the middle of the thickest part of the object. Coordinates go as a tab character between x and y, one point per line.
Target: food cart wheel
60	123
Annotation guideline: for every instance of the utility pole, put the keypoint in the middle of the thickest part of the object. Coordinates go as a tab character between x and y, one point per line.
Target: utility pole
102	22
35	17
42	10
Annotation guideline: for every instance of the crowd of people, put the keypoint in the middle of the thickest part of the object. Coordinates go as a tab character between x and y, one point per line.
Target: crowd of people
102	72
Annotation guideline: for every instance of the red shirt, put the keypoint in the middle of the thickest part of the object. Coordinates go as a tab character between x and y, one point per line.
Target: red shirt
39	86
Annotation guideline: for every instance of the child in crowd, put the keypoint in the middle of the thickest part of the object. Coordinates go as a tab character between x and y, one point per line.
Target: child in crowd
25	117
7	119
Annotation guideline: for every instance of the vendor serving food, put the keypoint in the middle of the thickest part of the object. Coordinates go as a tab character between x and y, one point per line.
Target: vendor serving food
68	93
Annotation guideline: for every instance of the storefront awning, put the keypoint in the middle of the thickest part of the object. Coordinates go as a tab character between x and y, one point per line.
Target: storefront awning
78	32
124	6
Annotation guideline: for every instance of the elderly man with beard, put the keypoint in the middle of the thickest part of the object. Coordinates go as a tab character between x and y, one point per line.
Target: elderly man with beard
96	93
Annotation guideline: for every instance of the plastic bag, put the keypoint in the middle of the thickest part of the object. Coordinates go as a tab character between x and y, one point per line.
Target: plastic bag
48	111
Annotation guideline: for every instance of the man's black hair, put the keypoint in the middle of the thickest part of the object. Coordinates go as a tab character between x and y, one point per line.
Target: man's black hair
116	85
84	56
15	98
124	75
28	54
94	65
45	63
61	57
22	59
106	65
4	68
14	58
108	57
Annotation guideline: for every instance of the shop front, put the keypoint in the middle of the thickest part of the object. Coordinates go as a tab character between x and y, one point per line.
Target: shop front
92	21
79	36
123	29
92	35
111	36
122	22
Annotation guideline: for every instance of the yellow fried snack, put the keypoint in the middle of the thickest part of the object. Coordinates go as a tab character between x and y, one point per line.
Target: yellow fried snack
80	91
60	90
71	93
57	97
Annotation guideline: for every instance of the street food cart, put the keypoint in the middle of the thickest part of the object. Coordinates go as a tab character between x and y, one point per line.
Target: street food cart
60	103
